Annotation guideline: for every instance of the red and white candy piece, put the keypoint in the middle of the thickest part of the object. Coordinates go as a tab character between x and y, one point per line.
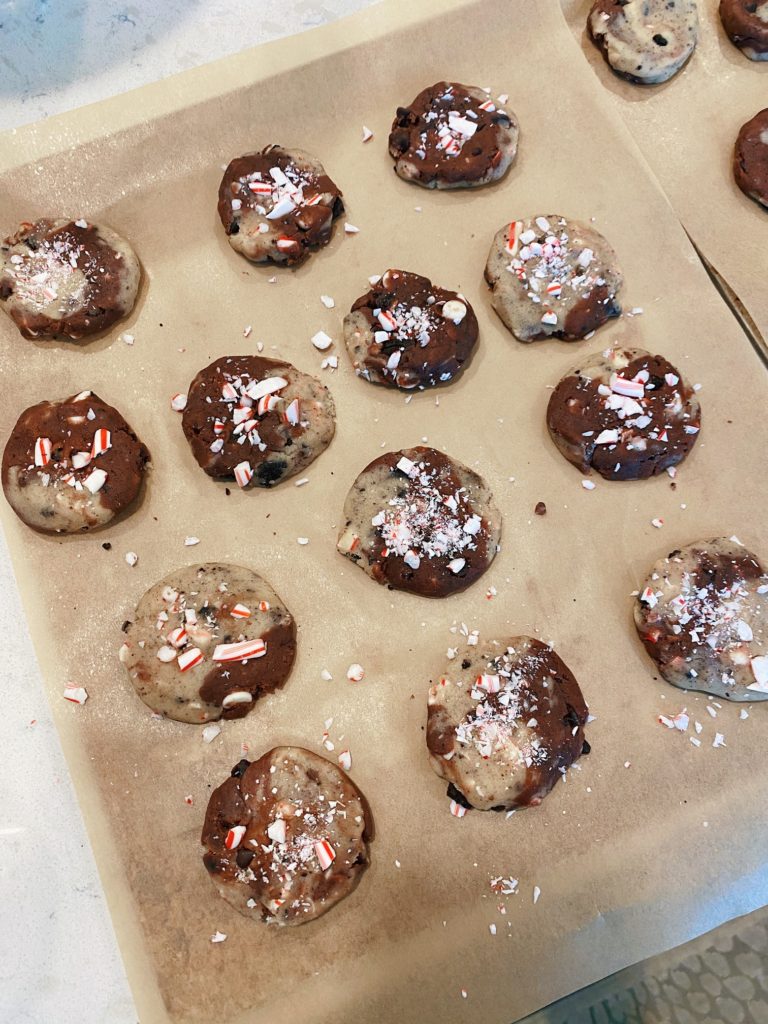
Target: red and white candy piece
292	413
229	392
285	244
80	460
179	403
489	683
177	637
75	694
242	651
513	236
355	673
457	810
234	837
325	853
345	760
189	658
42	451
649	597
240	611
243	474
263	606
630	388
102	442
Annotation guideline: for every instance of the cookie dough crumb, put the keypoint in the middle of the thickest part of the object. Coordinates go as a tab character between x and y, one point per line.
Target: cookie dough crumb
541	508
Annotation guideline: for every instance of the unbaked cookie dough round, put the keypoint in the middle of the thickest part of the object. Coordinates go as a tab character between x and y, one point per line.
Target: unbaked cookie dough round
67	278
72	465
286	837
278	205
207	641
746	25
257	421
552	277
407	333
645	41
453	136
750	158
505	722
624	413
418	520
702	615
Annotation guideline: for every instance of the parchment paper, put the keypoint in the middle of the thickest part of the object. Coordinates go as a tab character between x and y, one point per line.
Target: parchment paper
687	129
629	860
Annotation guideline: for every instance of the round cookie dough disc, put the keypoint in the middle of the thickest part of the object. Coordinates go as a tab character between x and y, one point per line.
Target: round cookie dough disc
207	641
552	277
67	278
286	837
702	615
420	521
505	721
625	413
406	333
644	41
278	205
750	158
746	25
72	465
453	136
287	418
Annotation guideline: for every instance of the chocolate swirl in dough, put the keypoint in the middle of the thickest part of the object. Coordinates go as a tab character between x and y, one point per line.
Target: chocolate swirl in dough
420	521
72	465
453	136
207	642
256	421
552	277
702	615
505	722
625	413
286	837
407	333
644	41
70	278
278	205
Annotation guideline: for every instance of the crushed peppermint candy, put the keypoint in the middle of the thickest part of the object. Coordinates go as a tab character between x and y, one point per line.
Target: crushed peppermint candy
75	694
131	558
321	340
355	673
179	403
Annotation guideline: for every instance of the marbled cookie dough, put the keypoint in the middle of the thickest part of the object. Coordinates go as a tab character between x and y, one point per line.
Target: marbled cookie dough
72	465
645	41
702	615
278	205
256	420
407	333
505	722
746	25
420	521
69	278
453	136
750	158
552	277
625	413
207	641
286	837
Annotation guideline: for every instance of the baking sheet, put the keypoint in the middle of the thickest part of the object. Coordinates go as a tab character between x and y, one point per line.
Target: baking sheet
687	129
629	860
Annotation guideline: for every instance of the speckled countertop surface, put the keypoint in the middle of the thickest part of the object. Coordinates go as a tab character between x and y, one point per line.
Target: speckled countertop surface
58	956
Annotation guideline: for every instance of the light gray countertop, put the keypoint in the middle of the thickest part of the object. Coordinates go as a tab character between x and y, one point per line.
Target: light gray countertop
58	956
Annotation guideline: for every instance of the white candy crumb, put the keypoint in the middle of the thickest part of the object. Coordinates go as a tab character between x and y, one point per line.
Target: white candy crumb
131	558
179	403
247	331
321	340
743	714
658	523
345	760
492	929
300	483
191	541
367	134
326	675
218	937
719	740
588	485
327	301
127	338
350	229
536	893
303	540
210	732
